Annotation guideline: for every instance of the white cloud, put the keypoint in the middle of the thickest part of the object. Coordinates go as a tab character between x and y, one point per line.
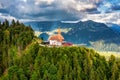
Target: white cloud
1	6
24	0
65	30
82	7
69	21
108	5
37	2
33	10
35	19
75	5
8	17
105	7
104	18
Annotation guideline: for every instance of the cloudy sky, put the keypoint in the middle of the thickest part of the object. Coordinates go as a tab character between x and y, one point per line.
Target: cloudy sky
106	11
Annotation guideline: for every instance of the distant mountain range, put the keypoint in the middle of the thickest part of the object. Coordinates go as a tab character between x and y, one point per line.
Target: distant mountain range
81	32
115	28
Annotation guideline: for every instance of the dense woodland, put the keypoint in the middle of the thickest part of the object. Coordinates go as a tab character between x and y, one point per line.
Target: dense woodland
21	58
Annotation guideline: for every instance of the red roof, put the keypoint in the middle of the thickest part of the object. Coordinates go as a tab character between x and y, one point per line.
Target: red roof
67	44
57	37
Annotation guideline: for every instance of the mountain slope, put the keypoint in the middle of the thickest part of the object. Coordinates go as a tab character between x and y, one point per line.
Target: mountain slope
115	28
92	31
81	32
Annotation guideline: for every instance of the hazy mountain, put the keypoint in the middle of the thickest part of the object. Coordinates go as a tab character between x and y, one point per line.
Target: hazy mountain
81	32
115	28
92	31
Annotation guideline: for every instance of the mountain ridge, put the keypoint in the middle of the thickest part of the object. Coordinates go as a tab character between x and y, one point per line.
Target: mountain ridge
89	30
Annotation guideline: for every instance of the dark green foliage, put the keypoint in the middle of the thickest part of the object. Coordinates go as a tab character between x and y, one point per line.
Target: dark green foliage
15	34
20	60
15	73
14	38
63	63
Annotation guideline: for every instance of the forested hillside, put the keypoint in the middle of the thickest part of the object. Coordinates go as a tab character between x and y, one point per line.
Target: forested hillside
23	59
14	37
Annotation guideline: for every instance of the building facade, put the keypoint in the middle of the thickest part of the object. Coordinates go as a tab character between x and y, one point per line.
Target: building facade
57	39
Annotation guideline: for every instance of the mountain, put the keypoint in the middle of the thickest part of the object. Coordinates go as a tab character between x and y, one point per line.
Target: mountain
92	34
115	28
49	25
81	32
91	31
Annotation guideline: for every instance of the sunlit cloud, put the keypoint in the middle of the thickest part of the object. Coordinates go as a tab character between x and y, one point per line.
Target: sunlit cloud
10	18
104	18
63	10
38	2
